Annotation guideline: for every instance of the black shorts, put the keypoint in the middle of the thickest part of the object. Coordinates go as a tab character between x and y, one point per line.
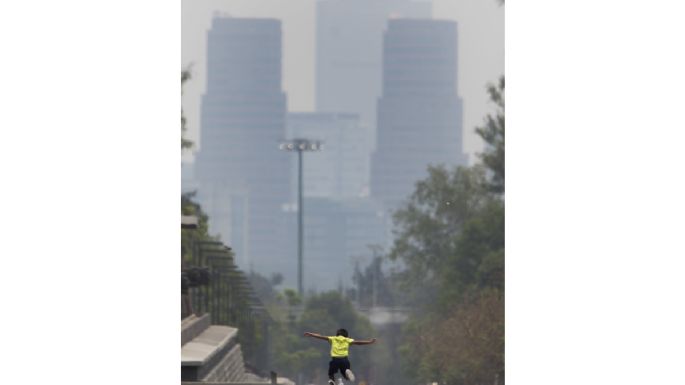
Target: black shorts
338	363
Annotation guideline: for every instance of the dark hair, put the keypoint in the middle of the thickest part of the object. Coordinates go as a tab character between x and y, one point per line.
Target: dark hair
341	332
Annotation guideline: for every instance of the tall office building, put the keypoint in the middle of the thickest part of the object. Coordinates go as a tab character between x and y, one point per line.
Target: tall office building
419	114
342	168
348	53
243	177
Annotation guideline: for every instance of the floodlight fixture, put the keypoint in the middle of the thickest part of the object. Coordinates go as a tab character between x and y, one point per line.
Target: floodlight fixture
300	145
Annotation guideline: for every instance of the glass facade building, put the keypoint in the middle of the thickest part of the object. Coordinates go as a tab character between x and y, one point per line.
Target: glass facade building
419	113
349	53
243	177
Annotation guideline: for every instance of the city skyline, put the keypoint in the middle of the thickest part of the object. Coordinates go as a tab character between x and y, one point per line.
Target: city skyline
481	61
231	116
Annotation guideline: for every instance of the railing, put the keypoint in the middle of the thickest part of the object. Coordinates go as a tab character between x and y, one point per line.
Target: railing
229	299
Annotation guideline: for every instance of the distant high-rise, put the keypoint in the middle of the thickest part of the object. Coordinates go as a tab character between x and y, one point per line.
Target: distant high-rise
243	176
336	234
342	168
348	53
419	114
340	220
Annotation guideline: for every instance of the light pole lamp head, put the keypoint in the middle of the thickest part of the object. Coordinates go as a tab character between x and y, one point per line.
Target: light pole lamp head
301	145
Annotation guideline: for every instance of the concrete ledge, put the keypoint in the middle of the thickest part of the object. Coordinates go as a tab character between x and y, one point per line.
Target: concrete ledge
203	347
192	326
188	320
280	381
223	383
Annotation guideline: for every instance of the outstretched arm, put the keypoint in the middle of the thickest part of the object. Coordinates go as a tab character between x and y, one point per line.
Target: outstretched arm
363	342
319	336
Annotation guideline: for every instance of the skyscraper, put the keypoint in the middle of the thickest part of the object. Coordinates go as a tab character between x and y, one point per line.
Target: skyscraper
243	176
420	113
342	169
348	53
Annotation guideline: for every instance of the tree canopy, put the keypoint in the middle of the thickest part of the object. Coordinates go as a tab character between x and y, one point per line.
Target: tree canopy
185	143
492	132
450	240
324	313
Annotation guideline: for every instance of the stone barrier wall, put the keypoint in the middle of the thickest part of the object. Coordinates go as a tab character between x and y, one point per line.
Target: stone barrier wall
192	326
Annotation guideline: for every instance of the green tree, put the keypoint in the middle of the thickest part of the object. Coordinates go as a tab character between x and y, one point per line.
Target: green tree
292	298
185	143
492	133
323	313
478	259
373	285
455	276
188	237
450	238
189	206
265	288
466	347
429	231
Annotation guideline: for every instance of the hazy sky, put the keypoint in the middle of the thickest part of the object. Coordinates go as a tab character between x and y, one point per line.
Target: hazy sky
481	52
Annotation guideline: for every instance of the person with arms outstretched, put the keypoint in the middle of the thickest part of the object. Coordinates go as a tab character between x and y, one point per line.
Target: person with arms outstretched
340	344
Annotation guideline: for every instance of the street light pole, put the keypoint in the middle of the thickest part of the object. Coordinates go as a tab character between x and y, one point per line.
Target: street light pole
300	229
300	145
